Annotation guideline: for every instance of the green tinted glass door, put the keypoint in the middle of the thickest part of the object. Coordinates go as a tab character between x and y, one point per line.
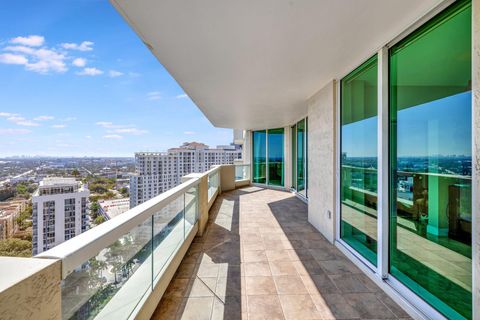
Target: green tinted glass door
294	156
275	156
301	156
259	156
430	160
358	184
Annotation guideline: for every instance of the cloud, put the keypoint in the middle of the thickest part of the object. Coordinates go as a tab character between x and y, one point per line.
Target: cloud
68	119
105	124
181	96
43	118
11	131
114	73
59	126
154	95
9	58
134	131
115	129
79	62
90	72
42	60
21	121
31	41
113	136
7	114
88	137
189	132
84	46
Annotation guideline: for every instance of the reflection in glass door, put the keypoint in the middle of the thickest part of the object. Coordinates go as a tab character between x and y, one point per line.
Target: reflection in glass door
301	140
430	160
268	156
358	184
259	147
275	156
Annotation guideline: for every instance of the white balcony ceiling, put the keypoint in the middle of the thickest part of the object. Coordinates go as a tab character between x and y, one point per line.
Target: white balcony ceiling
253	63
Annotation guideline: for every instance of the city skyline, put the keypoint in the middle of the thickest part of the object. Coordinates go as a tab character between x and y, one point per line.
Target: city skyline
79	82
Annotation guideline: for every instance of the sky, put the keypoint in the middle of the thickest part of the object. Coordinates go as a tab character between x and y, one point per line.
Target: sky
77	81
439	127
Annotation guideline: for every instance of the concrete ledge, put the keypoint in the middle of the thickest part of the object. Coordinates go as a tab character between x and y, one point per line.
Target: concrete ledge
31	290
242	183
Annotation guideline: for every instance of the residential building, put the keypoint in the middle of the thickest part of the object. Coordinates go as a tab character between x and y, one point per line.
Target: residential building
9	212
59	212
157	172
361	129
112	208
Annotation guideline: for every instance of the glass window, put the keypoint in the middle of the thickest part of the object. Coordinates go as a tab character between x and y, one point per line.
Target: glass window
301	156
260	156
294	156
275	156
358	184
430	160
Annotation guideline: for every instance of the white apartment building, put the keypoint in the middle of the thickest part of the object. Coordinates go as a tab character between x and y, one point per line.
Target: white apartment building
59	212
156	172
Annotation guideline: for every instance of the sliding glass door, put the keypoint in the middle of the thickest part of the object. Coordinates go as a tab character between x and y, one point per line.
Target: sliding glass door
301	152
358	164
275	156
299	156
430	162
259	148
268	156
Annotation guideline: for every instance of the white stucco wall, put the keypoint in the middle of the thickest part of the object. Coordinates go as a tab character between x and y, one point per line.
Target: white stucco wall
321	160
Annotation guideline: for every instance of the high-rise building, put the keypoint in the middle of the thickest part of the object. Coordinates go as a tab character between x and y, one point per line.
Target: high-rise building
156	172
59	212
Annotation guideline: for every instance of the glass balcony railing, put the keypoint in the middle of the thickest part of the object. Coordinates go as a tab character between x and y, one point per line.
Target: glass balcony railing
110	270
213	183
242	172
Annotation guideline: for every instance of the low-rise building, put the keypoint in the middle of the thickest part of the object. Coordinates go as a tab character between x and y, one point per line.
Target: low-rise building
112	208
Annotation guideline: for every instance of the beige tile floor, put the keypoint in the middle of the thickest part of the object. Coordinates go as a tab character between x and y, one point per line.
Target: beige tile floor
261	259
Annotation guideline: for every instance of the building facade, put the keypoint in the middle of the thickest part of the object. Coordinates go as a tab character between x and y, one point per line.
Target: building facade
59	212
157	172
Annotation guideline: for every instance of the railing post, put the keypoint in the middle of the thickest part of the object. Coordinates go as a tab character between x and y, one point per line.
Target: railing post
227	177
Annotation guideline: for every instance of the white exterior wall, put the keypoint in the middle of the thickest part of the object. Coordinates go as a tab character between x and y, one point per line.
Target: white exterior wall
59	216
159	172
321	160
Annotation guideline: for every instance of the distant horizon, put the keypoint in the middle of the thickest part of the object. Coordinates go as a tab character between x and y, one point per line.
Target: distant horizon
77	81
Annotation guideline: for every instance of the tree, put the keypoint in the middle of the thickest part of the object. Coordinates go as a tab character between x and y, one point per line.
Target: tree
75	173
94	209
124	192
99	220
15	248
24	218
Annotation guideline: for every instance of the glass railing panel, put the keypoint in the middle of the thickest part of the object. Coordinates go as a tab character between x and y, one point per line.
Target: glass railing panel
168	233
213	183
242	172
113	283
191	208
88	289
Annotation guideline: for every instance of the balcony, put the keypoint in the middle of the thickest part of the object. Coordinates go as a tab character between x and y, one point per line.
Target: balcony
207	248
261	259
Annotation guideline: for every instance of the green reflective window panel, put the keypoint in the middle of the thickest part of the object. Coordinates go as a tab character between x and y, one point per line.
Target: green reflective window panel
301	155
294	156
275	156
430	160
358	184
260	156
